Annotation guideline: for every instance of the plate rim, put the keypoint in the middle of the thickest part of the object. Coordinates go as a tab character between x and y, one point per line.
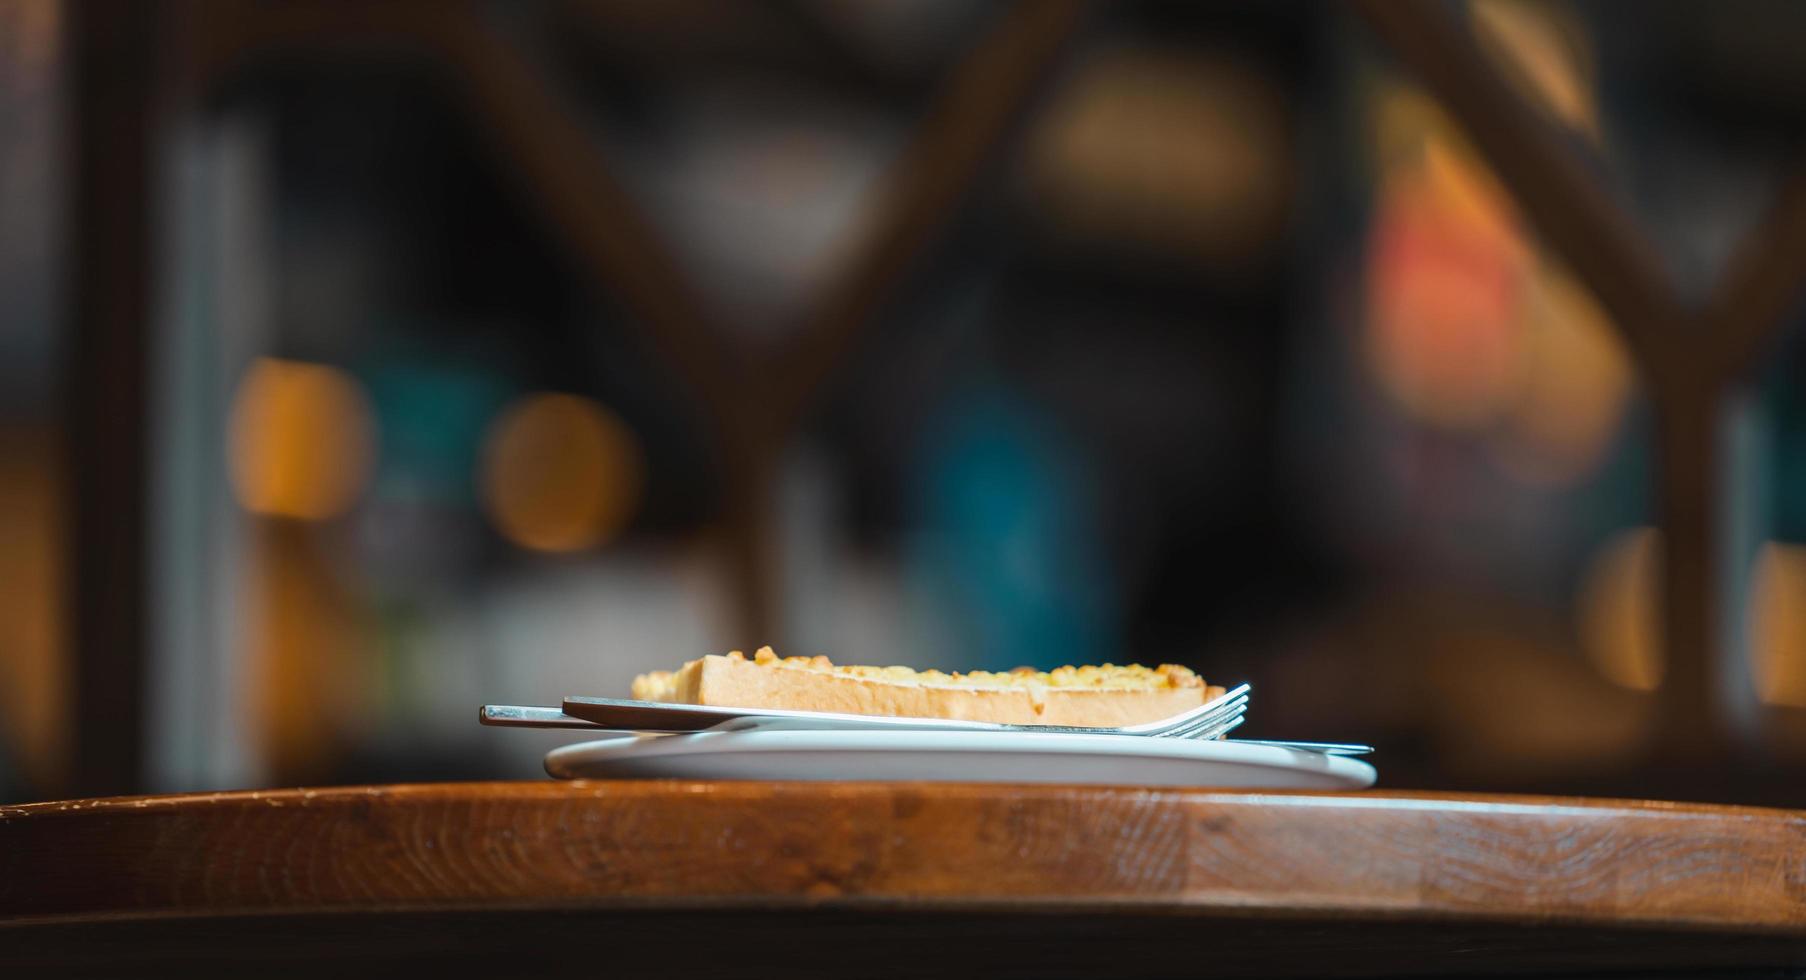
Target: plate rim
559	761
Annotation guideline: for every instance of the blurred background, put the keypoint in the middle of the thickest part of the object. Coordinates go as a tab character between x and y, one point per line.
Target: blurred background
1432	366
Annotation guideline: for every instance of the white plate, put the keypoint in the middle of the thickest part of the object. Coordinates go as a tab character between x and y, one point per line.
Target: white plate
1008	757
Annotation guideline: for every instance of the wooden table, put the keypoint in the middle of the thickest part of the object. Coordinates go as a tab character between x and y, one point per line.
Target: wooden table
754	879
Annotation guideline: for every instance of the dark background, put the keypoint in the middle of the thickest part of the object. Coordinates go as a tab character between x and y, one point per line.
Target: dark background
1429	365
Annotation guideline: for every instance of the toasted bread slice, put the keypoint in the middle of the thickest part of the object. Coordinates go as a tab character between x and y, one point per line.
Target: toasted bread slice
1093	697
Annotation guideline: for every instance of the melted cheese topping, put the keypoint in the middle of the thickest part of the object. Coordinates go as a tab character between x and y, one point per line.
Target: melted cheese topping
1132	677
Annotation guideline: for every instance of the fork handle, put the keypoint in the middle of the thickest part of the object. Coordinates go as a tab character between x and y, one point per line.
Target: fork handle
651	716
526	716
532	716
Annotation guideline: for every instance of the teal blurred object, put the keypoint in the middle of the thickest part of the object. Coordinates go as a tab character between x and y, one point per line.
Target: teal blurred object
1008	546
431	414
420	530
1786	425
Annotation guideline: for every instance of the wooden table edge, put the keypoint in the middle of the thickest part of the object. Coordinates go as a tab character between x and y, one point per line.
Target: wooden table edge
590	788
1371	856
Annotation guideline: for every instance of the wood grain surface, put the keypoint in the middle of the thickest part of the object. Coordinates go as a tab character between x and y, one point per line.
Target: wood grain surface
1637	883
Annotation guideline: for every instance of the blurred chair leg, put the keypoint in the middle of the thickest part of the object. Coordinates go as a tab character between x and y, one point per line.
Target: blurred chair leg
110	53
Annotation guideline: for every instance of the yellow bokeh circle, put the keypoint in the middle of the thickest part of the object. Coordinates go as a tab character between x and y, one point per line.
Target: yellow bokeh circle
560	473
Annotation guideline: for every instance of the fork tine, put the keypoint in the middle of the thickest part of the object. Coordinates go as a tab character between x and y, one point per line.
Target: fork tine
1209	709
1225	729
1234	706
1229	710
1211	732
1240	691
1192	726
1204	731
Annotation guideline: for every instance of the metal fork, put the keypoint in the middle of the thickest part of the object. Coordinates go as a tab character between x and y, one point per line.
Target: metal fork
1208	720
1205	721
517	716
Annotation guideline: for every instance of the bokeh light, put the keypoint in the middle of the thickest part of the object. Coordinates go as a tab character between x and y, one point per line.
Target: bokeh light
33	676
302	440
1777	625
1446	268
1177	151
1576	385
560	473
1544	50
1619	613
1470	326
